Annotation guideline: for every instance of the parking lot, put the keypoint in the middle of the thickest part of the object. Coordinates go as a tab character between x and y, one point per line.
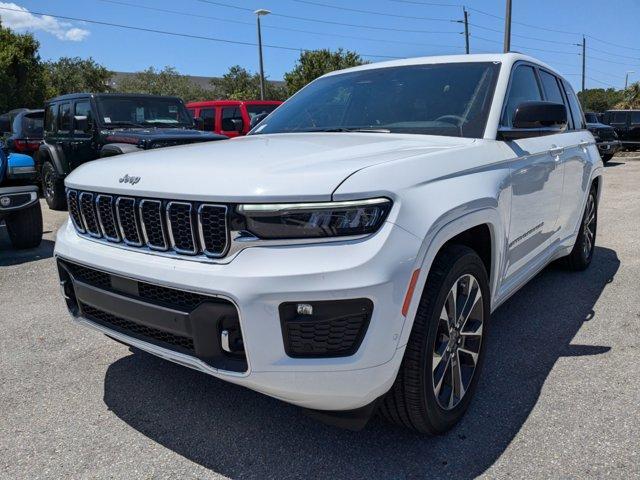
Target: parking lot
559	395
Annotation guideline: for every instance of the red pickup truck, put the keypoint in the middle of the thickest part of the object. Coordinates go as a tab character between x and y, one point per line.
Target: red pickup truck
229	117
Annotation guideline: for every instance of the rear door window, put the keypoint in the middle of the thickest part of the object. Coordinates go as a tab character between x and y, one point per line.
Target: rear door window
553	93
229	118
64	118
524	88
208	116
619	118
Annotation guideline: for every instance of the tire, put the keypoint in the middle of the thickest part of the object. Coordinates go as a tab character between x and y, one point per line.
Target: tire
413	401
53	187
582	253
25	227
606	158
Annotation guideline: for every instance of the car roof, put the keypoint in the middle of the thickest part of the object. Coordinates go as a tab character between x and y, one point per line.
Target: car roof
73	96
507	59
231	103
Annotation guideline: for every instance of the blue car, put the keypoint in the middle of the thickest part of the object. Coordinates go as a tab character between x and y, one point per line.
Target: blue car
19	205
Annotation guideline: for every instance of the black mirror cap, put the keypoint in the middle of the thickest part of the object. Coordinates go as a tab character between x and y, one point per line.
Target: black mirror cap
540	115
256	119
535	119
198	123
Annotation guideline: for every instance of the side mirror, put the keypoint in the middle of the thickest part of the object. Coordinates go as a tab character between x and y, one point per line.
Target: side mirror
198	123
256	119
83	123
535	119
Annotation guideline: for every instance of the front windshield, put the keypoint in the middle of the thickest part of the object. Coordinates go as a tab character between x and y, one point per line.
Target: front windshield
451	99
143	112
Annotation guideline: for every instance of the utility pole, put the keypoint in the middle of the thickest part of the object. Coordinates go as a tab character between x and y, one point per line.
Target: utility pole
466	29
626	79
507	28
584	59
260	13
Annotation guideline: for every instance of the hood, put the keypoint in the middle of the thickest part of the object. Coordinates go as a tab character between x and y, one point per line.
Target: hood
146	135
278	167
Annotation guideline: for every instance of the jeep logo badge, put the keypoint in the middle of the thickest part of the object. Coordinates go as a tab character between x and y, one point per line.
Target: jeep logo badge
129	179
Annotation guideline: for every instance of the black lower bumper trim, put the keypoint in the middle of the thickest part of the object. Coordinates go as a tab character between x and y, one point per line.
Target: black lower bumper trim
116	303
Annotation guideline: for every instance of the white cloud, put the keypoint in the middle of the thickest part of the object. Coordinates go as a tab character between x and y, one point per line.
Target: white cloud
19	18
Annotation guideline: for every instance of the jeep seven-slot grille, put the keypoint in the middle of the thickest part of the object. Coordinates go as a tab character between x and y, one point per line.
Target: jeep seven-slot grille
186	228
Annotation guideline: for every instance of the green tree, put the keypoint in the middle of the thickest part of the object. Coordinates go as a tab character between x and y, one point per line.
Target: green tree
599	99
240	84
163	82
22	78
70	75
315	63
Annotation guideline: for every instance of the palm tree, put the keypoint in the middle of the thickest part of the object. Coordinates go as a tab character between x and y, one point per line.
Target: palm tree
631	97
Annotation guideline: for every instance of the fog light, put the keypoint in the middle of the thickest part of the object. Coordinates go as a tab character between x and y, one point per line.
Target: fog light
5	201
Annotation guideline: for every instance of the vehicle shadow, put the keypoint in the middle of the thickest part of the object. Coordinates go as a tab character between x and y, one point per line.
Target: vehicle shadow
242	434
11	256
613	164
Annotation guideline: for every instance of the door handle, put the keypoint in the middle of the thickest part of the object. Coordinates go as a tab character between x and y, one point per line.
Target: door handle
556	152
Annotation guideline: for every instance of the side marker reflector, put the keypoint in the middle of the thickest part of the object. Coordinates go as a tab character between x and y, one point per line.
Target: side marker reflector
412	286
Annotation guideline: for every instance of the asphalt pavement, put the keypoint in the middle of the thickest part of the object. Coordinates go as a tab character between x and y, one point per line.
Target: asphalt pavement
559	396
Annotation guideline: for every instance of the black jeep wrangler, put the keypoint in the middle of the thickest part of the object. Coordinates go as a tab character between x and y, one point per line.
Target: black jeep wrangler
82	127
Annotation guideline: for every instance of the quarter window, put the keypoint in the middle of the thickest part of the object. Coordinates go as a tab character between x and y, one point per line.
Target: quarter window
524	88
208	116
51	117
64	118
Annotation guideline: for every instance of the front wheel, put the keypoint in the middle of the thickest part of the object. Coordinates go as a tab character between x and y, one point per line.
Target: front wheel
582	252
443	358
53	187
25	227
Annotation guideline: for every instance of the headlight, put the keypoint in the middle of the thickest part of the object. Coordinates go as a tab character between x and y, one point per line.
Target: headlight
315	220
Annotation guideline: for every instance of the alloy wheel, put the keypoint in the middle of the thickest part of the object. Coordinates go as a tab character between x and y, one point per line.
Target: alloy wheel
589	227
48	184
458	341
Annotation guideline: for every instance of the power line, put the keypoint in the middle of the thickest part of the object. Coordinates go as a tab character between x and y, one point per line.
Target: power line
613	54
178	34
252	24
429	4
329	22
373	12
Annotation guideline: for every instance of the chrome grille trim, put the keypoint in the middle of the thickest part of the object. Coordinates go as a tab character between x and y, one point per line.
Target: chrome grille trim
171	233
117	238
118	216
140	224
145	236
203	242
93	217
74	210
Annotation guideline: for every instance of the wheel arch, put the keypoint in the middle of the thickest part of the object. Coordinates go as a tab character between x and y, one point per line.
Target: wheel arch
52	154
482	230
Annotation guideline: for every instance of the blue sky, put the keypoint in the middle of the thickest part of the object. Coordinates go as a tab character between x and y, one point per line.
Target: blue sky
555	26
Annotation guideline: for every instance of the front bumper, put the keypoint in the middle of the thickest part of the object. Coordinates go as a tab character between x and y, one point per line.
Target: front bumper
257	282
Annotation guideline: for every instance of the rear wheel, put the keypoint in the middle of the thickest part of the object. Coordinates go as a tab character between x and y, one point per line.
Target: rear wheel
582	253
443	358
53	187
25	227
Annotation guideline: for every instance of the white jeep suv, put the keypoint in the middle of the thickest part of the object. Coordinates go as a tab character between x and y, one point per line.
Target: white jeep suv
347	254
